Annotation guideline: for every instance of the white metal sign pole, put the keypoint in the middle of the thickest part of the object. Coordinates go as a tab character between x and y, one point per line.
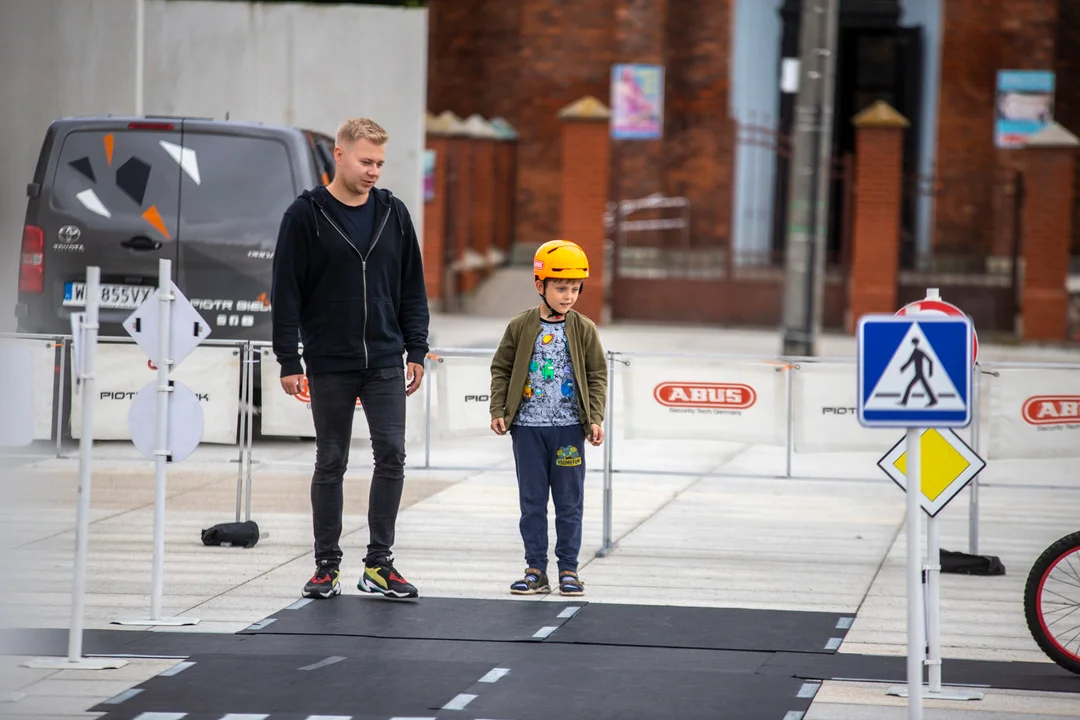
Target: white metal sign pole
916	631
933	610
933	581
88	334
85	342
161	455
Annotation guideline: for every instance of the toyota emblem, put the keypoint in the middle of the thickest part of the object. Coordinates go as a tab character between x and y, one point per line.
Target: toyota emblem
68	234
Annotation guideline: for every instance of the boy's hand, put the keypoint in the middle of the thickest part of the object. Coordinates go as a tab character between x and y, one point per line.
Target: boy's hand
499	426
596	437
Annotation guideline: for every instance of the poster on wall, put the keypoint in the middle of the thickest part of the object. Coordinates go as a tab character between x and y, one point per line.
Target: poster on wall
1024	105
637	102
429	175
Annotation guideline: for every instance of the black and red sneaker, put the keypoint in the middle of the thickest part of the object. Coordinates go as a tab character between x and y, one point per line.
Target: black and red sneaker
324	583
382	578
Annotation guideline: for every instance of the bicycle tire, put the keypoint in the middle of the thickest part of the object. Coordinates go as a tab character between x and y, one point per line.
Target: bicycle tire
1046	562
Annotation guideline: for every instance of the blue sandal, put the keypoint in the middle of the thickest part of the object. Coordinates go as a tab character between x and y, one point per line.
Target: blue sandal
570	584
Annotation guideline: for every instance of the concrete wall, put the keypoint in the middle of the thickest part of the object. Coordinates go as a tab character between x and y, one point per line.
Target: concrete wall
290	64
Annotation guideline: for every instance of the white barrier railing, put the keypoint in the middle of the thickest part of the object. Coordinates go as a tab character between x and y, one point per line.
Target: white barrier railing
785	407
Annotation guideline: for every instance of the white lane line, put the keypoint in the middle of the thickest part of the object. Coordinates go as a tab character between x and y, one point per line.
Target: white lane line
175	669
126	695
323	663
460	702
494	675
570	611
544	632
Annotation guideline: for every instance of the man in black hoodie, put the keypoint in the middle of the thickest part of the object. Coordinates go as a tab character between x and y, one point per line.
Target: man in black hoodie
349	285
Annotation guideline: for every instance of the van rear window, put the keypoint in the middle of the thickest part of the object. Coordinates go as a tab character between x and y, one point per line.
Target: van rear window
235	181
125	176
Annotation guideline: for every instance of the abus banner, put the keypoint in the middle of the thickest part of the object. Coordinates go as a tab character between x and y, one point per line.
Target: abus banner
464	385
704	400
1036	414
211	372
824	412
825	417
290	415
43	354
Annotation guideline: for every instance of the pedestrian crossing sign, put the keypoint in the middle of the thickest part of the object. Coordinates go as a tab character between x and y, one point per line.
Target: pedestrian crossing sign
914	371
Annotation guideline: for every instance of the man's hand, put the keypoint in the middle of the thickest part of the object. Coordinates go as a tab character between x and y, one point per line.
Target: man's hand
415	375
498	425
292	384
596	437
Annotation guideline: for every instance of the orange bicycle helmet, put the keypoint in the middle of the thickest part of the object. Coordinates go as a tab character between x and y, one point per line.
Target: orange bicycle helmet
560	259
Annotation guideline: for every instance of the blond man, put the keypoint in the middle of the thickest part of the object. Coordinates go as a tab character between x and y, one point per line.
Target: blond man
349	285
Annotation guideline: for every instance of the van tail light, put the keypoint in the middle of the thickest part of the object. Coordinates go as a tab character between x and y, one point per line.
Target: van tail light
32	265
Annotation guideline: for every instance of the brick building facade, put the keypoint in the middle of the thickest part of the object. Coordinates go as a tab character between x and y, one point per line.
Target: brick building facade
726	120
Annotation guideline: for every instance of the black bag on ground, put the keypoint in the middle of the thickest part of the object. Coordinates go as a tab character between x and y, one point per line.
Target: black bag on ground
964	564
234	534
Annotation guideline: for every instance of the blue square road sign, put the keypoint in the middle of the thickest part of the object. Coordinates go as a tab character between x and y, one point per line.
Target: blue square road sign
914	371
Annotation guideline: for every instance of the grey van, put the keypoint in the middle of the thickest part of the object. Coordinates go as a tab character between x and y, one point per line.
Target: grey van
123	192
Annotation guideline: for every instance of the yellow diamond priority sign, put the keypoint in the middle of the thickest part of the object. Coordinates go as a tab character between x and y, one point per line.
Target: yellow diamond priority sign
948	464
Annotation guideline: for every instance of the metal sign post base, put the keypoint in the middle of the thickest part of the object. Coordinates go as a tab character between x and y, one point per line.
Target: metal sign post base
63	663
946	693
165	621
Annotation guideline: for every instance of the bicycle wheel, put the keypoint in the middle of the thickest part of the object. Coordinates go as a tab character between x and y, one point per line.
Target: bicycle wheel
1052	602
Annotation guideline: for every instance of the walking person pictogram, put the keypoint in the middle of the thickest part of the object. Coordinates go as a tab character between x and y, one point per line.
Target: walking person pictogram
918	357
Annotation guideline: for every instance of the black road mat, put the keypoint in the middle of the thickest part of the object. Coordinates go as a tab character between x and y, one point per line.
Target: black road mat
429	618
705	628
570	690
1037	676
307	684
539	682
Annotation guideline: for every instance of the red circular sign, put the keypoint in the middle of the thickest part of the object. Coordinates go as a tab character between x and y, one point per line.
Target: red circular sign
940	307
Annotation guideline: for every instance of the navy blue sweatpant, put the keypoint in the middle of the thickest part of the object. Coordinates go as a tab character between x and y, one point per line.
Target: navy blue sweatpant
550	459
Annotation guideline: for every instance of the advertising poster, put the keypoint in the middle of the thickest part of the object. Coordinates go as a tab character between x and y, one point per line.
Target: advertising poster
637	102
429	175
1024	105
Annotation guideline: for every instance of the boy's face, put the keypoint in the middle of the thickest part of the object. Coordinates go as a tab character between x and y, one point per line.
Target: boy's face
560	294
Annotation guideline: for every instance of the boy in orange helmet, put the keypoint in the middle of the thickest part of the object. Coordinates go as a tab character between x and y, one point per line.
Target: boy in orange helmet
548	389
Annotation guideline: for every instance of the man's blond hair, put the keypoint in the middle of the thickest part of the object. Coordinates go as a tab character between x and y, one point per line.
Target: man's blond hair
354	129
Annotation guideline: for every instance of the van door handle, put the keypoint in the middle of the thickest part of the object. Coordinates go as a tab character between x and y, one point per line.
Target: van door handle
141	243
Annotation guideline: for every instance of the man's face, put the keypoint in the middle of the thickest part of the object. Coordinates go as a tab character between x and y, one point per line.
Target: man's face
359	164
561	294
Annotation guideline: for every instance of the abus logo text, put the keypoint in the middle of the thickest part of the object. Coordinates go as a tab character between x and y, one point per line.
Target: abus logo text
1052	410
727	396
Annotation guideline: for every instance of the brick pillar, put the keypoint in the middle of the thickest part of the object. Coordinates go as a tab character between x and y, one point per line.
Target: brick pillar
459	197
482	207
505	185
875	251
435	218
1049	171
585	170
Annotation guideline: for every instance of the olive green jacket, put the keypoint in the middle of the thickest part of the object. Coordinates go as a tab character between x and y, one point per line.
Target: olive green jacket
510	366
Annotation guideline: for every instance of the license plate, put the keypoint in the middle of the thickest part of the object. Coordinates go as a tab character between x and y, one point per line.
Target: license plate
113	297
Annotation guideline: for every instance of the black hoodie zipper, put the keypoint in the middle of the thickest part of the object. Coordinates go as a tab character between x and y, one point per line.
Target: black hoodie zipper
363	261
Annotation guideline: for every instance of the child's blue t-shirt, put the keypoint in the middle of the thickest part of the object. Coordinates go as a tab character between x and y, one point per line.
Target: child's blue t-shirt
550	396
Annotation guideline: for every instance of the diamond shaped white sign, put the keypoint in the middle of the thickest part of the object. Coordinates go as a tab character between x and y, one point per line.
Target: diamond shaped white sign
186	327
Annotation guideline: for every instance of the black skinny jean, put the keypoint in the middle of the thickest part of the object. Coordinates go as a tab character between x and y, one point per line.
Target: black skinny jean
333	405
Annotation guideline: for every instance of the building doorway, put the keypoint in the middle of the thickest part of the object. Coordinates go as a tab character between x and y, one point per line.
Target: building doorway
877	59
